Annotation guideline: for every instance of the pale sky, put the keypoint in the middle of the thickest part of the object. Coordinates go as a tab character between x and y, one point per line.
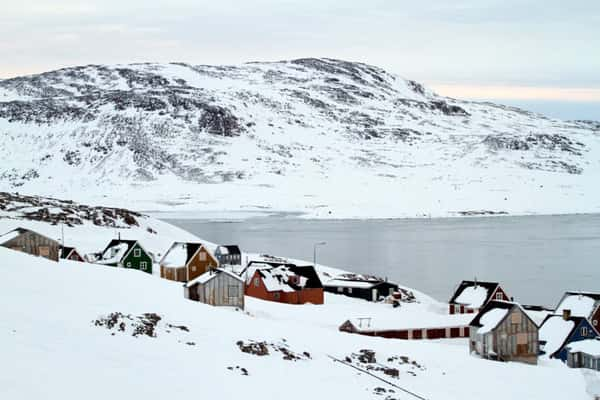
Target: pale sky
531	51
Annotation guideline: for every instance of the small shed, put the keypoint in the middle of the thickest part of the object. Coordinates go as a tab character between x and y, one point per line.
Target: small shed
558	332
70	253
503	331
365	287
126	254
31	242
584	354
283	283
185	261
217	287
470	296
229	254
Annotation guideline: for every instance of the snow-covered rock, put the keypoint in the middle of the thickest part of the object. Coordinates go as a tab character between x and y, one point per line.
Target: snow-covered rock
283	136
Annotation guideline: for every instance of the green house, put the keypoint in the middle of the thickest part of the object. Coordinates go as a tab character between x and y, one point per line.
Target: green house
126	254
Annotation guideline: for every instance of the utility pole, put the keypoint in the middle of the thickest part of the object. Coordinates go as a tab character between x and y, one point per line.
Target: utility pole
315	252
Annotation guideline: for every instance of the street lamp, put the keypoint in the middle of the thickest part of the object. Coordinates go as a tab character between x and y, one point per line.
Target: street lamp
315	252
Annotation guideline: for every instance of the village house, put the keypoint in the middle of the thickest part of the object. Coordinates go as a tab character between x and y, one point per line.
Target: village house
558	332
471	296
126	254
283	283
581	304
185	261
217	287
31	242
503	331
70	253
365	287
411	327
584	354
228	255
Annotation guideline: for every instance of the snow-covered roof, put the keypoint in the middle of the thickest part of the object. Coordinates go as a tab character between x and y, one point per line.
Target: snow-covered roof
276	278
491	319
589	346
580	304
208	275
113	254
419	320
474	293
350	283
8	236
473	296
554	331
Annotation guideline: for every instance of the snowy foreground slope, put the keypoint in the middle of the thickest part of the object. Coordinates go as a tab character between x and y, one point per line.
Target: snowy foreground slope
52	348
321	137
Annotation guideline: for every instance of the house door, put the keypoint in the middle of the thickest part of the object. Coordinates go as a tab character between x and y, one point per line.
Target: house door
374	294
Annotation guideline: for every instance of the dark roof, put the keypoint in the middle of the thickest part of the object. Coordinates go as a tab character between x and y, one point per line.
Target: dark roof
306	271
595	296
507	305
65	251
231	248
490	286
114	242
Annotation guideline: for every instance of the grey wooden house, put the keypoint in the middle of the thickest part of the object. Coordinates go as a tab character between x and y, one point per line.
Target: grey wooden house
584	354
31	242
217	287
503	331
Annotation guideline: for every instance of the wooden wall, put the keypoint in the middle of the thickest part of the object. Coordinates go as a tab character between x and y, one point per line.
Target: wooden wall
35	244
222	290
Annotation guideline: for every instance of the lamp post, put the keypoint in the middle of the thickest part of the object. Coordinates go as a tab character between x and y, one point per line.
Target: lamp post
315	252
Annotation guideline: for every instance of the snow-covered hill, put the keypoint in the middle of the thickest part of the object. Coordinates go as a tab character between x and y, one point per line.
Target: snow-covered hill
71	330
323	137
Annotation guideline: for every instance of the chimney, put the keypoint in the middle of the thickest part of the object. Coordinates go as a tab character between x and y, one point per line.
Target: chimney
566	314
475	281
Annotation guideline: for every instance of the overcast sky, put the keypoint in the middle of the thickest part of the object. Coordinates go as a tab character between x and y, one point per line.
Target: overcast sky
533	51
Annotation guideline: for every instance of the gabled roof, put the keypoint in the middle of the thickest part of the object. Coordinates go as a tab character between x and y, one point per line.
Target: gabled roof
581	304
8	236
277	278
211	274
588	346
180	253
358	281
493	313
123	248
232	249
555	332
66	251
473	294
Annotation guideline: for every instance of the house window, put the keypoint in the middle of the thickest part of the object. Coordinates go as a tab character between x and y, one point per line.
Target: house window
193	268
128	265
349	290
143	265
202	256
232	291
137	252
584	331
499	296
256	282
340	289
456	309
595	322
276	296
44	251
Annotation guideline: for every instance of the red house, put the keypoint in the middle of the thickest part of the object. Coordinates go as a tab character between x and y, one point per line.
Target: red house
283	283
471	296
70	253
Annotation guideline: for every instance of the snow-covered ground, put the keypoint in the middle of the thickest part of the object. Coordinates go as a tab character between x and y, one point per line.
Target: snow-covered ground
282	137
52	349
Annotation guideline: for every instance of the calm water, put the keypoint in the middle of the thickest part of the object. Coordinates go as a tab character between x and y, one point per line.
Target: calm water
535	258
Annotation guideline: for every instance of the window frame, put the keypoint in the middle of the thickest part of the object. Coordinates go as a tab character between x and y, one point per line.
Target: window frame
143	265
137	253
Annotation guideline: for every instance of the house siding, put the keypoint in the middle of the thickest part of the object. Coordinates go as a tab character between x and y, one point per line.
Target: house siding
134	262
309	295
576	335
514	339
35	244
222	290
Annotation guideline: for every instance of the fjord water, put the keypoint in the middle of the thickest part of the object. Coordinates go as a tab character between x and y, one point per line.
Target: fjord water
536	258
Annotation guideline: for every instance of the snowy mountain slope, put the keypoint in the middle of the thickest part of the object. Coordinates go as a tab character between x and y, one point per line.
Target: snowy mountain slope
283	136
57	341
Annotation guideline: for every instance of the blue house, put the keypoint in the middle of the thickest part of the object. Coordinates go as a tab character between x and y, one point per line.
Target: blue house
558	331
